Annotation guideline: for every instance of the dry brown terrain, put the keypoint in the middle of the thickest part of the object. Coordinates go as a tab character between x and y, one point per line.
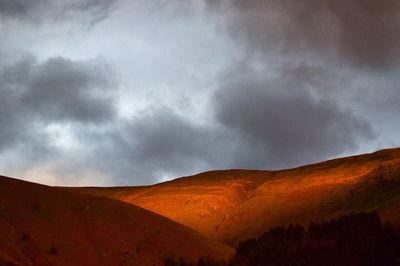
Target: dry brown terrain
232	205
41	225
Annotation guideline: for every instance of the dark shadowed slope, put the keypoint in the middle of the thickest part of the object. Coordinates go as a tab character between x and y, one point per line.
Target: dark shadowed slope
41	225
236	204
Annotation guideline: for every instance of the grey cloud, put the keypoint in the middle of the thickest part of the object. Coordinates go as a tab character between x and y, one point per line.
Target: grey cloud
364	33
34	95
279	122
285	113
13	119
268	111
90	11
157	143
19	7
260	122
60	89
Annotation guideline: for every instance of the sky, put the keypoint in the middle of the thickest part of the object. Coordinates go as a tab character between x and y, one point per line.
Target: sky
118	92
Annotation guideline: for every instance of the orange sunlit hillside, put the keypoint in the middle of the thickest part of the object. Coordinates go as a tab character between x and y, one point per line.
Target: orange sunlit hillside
236	204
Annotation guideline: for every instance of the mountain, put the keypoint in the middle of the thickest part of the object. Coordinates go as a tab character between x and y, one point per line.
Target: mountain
232	205
41	225
187	217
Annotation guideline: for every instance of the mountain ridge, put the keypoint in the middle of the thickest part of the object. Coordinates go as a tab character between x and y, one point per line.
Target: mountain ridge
231	205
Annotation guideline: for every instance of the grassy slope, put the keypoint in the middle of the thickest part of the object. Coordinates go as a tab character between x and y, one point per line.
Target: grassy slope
36	221
232	205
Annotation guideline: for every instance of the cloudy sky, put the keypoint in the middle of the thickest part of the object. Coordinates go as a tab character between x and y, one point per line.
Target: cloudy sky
118	92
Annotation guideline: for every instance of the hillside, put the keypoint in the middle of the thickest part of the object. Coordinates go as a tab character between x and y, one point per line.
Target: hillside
41	225
233	205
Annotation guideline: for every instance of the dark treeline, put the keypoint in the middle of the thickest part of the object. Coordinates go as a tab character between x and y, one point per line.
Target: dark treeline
358	239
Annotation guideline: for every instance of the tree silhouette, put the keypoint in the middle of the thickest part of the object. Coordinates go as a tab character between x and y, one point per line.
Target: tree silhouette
357	240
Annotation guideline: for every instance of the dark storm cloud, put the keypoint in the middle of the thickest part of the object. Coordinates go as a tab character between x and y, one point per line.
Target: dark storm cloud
157	143
34	95
11	119
286	113
283	78
282	122
41	10
60	89
260	122
18	7
365	33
